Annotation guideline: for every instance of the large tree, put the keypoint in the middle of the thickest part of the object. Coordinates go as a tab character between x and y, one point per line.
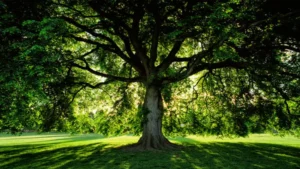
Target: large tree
158	42
251	45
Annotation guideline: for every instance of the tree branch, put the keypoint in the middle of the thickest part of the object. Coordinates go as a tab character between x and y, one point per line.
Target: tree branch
113	49
114	46
75	94
133	35
90	52
98	85
155	37
112	77
196	59
135	60
171	56
177	59
132	60
206	66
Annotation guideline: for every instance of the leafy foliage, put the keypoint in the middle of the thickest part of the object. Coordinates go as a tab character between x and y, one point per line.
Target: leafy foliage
30	70
222	67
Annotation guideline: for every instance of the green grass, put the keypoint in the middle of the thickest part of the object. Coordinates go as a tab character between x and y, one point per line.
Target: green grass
38	151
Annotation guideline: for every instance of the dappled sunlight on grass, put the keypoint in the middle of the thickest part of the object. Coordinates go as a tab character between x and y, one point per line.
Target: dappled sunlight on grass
29	138
95	151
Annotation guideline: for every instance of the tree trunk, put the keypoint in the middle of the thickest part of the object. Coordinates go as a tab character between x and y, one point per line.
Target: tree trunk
152	137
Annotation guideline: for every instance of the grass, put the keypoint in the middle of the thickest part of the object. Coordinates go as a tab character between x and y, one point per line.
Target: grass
38	151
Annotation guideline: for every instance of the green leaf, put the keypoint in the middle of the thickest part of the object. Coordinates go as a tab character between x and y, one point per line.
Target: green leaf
11	31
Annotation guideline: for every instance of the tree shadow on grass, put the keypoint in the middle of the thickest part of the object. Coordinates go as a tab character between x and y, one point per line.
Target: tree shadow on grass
200	155
240	155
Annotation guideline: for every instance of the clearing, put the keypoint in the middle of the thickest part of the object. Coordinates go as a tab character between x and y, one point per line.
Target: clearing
88	151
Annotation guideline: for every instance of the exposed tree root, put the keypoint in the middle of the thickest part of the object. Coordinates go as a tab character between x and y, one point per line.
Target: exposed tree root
151	145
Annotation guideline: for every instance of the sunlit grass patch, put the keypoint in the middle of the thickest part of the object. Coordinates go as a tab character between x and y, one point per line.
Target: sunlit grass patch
253	138
95	151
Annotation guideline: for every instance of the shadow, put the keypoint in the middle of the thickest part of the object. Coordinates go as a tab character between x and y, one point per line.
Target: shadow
39	156
216	155
240	155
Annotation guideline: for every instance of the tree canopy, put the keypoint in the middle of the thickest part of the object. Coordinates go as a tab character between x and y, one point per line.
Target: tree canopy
224	66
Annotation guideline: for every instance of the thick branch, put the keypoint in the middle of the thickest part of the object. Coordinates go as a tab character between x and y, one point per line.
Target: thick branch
171	56
155	37
112	77
113	49
225	64
132	60
133	35
87	29
196	59
206	66
177	59
113	45
135	60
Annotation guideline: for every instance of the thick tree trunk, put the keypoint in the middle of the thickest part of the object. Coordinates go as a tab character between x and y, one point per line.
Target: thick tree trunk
153	137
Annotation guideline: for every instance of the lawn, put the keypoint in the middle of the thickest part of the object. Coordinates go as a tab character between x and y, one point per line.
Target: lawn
89	151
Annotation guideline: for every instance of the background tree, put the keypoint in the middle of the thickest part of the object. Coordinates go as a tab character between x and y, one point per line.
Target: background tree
31	76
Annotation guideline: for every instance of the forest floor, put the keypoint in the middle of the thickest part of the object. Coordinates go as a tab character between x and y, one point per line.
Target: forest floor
89	151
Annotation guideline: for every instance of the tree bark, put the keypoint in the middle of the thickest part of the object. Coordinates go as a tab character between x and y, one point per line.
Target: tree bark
153	137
